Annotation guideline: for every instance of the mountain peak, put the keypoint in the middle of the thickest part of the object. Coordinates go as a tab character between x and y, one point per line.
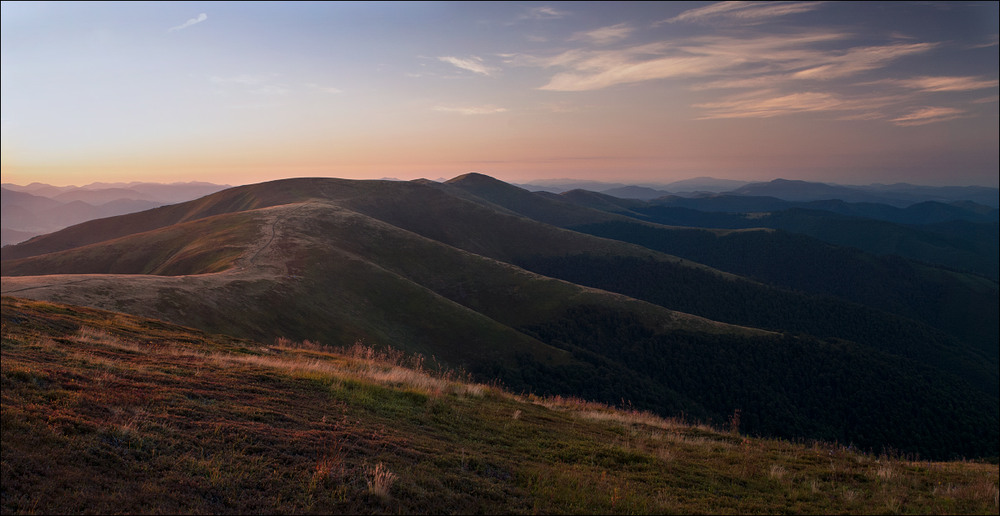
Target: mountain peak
486	186
474	178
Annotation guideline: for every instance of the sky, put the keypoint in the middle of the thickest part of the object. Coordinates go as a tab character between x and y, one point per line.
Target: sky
645	92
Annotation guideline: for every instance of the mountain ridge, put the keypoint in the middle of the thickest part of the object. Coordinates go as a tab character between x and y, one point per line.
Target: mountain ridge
39	208
409	264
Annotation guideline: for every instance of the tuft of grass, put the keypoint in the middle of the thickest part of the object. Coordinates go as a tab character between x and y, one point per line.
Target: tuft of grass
331	468
884	470
379	480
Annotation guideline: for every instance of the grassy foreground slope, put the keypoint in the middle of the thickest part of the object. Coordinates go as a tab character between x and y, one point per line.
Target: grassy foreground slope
105	412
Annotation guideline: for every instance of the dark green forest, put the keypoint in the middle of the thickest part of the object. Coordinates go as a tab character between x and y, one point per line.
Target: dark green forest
933	296
790	387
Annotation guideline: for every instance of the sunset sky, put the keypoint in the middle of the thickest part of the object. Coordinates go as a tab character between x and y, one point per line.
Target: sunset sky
236	93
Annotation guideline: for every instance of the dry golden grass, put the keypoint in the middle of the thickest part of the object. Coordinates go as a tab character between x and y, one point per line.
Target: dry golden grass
379	480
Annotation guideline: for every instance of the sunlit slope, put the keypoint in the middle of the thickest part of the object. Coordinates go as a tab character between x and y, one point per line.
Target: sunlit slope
169	251
325	273
291	281
423	207
104	412
231	200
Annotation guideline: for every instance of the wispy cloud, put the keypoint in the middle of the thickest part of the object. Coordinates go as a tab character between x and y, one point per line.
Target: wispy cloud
769	103
860	59
867	115
931	84
605	35
751	61
760	81
488	109
604	71
193	21
892	107
544	12
744	12
473	64
993	41
928	115
767	73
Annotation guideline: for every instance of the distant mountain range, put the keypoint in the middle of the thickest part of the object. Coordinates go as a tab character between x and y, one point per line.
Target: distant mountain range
636	190
583	295
39	208
959	234
900	195
896	195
